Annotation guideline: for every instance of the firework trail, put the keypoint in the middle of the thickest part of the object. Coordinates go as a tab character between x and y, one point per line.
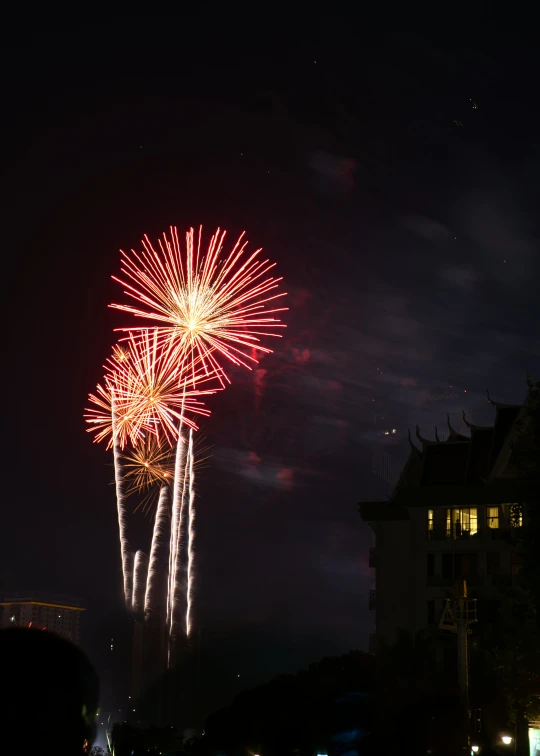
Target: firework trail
144	388
191	536
178	486
160	527
203	304
144	391
203	307
126	555
139	581
177	566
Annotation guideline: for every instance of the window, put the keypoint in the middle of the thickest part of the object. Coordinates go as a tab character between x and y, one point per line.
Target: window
430	567
461	523
466	566
431	612
430	520
492	517
458	566
447	567
516	515
516	564
493	563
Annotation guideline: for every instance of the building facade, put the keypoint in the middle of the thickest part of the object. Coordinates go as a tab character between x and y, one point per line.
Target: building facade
58	614
456	512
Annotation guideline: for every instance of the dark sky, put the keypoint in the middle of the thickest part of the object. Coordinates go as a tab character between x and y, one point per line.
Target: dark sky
392	175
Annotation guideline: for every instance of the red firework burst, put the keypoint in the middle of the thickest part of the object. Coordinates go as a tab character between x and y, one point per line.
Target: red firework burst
146	391
204	304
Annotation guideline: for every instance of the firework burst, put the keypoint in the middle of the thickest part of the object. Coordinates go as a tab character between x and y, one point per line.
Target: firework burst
146	467
151	393
205	304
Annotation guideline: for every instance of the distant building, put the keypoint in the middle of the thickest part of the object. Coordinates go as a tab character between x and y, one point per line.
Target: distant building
58	614
454	513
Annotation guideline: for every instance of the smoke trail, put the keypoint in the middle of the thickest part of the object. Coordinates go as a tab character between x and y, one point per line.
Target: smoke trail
175	524
178	560
127	556
191	537
160	525
139	581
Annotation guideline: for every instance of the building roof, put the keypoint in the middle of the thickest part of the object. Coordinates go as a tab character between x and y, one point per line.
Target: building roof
37	598
460	468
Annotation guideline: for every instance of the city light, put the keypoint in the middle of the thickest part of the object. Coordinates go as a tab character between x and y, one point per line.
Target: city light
506	739
475	748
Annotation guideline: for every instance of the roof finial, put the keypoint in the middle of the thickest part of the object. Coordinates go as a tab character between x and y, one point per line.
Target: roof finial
423	441
413	447
467	423
489	398
437	435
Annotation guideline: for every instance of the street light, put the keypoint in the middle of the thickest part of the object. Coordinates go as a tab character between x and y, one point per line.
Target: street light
475	749
506	739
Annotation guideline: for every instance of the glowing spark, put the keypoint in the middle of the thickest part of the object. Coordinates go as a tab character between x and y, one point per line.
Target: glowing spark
191	537
160	526
149	389
121	353
139	581
206	306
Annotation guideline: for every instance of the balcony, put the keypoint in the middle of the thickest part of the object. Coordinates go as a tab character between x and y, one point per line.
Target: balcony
372	557
501	534
440	581
443	534
372	597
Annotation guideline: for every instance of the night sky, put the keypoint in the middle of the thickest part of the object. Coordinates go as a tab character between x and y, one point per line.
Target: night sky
393	176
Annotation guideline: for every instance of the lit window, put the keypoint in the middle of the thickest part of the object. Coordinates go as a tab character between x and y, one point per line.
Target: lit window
430	519
492	517
516	516
461	523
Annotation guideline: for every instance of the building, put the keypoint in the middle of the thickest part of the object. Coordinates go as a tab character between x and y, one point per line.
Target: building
59	614
446	561
454	513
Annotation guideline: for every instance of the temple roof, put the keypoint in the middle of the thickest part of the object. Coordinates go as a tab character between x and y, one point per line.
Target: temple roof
461	465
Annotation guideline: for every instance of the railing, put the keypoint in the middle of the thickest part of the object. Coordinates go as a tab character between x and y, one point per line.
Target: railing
501	534
440	581
372	598
372	552
443	534
494	534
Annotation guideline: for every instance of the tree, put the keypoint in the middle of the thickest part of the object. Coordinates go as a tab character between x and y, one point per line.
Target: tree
327	706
